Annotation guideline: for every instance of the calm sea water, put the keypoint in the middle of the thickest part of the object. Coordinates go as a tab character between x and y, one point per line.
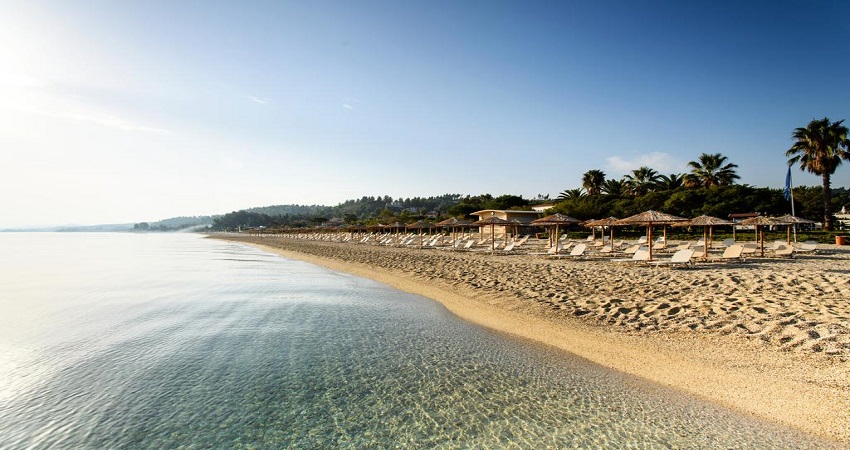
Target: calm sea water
174	341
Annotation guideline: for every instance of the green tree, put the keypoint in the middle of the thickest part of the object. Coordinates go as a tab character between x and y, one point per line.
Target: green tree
592	181
582	208
820	148
641	181
506	201
613	187
711	170
671	182
571	193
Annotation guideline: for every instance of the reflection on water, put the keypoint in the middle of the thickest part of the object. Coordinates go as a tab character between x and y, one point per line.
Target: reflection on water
114	340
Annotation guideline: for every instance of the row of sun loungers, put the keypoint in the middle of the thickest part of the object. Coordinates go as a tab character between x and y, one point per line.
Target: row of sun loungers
664	254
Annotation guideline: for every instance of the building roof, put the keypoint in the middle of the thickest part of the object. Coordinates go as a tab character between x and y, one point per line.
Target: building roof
743	215
507	211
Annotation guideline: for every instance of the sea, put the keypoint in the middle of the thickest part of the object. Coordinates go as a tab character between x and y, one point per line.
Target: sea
128	341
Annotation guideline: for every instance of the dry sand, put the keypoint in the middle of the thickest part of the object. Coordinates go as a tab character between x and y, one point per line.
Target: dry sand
768	337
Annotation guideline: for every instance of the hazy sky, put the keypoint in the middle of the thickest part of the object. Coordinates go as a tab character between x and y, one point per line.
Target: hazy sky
128	111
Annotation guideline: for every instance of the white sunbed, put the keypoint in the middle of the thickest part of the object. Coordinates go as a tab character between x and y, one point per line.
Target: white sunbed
576	252
784	250
807	247
748	249
632	249
641	255
732	252
680	258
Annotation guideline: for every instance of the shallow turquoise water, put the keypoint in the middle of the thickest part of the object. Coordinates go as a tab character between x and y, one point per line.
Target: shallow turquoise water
169	341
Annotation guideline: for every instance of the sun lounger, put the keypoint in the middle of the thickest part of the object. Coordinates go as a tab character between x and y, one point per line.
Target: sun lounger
680	258
777	245
807	247
577	251
734	252
631	250
748	249
784	250
682	246
641	255
562	249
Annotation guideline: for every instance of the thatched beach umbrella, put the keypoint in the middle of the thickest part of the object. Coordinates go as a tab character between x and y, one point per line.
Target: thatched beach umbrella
792	221
606	222
453	223
419	224
492	221
760	222
555	220
650	218
707	223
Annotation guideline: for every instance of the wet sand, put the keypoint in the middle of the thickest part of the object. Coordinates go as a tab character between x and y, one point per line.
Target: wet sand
770	337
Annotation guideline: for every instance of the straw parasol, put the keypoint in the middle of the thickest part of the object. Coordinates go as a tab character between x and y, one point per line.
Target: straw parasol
419	224
792	221
707	223
453	223
492	221
555	220
650	218
606	222
759	222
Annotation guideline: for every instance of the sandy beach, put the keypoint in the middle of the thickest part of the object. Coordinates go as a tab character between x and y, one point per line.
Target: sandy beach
770	337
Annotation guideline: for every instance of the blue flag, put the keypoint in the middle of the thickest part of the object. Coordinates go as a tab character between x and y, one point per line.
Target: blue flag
788	185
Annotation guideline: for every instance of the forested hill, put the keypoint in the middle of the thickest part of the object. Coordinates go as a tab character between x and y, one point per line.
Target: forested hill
362	207
350	211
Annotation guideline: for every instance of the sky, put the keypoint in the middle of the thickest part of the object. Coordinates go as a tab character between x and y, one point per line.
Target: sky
130	111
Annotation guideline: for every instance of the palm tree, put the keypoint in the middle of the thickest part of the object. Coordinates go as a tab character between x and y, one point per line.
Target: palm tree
711	170
613	187
641	181
592	181
820	148
671	182
571	193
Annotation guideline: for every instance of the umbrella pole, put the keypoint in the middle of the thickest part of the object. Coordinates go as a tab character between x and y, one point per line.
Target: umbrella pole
710	236
556	239
612	237
789	234
705	242
649	238
492	238
761	239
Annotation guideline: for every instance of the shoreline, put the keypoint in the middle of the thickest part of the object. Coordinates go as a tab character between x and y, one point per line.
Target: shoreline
807	391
